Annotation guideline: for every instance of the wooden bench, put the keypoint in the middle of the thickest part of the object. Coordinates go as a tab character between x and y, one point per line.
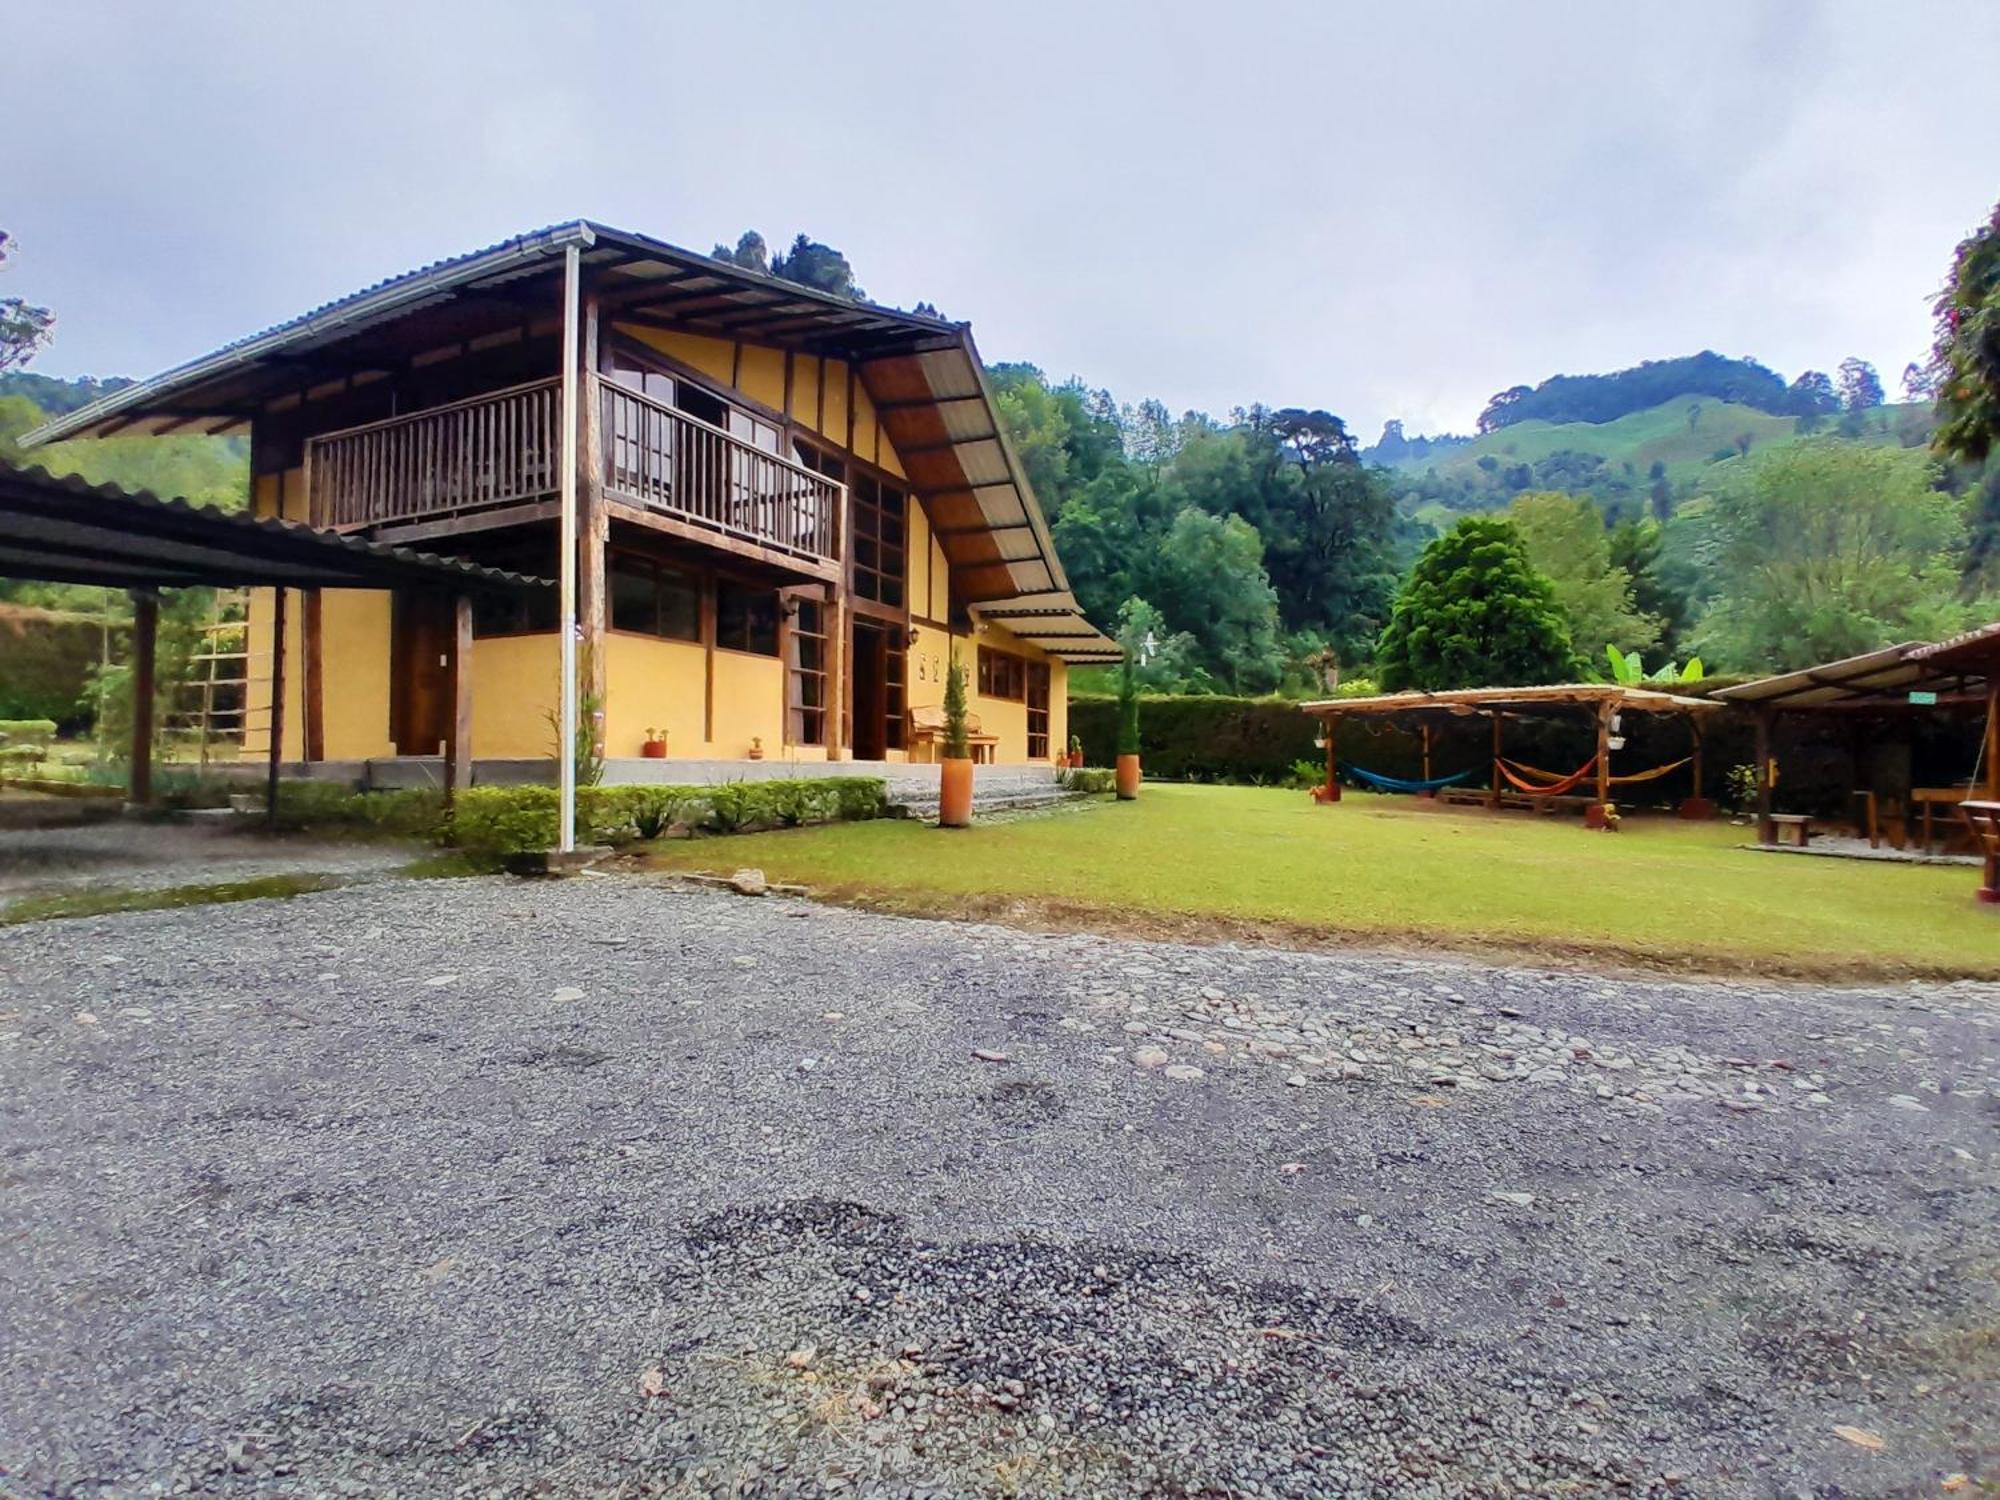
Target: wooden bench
1778	822
927	735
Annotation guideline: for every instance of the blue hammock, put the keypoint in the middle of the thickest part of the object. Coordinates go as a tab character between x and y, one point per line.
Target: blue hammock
1398	784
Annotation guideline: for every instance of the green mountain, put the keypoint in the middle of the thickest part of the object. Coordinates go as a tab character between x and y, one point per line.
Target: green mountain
1646	460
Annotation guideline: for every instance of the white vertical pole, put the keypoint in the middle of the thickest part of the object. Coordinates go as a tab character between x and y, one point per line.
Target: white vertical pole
566	715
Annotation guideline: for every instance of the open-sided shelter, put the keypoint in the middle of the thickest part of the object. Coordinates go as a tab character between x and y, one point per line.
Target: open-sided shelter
65	530
1511	782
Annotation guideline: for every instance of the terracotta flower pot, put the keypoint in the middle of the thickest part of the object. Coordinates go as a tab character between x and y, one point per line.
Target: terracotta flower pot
653	749
955	793
1128	777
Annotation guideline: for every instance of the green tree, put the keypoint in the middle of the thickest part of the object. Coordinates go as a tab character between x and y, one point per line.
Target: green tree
1659	589
1824	549
808	262
1475	613
1207	577
1965	358
1568	545
1860	386
23	328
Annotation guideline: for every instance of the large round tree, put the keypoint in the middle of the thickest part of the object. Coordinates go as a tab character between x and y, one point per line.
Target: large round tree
1965	365
1475	613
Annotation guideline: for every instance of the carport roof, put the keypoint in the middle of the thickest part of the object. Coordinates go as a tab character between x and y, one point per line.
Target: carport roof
65	530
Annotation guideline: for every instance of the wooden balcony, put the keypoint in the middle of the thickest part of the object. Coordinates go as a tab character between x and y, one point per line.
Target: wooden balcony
496	460
712	485
485	454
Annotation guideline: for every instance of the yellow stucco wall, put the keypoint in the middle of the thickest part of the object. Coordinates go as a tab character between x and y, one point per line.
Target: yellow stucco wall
650	683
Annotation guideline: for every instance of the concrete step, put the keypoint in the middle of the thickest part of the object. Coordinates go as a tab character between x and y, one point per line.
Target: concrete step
924	804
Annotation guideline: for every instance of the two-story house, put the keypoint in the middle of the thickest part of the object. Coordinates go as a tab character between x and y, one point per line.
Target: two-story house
791	509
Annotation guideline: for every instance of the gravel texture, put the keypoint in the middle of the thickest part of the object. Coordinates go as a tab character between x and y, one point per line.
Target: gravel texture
134	855
603	1187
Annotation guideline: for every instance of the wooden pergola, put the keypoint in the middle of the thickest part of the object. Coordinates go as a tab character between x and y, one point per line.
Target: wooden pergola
1911	679
1602	703
65	530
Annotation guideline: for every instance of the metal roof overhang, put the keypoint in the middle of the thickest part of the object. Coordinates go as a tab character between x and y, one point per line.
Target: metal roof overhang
1517	699
1055	622
64	530
1881	679
1975	651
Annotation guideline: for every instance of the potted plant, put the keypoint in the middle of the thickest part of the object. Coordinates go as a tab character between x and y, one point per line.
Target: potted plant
1076	752
654	746
1128	732
955	769
756	747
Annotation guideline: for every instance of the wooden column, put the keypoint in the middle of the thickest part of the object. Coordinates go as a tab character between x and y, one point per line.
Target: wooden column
1426	730
1493	800
1603	754
593	525
1766	830
458	736
145	638
276	754
1694	729
313	651
1993	739
1332	730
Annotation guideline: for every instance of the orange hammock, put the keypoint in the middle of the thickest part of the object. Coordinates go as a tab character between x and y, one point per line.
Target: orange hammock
1549	784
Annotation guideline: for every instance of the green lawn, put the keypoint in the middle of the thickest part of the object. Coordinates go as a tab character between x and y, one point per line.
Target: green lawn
1244	860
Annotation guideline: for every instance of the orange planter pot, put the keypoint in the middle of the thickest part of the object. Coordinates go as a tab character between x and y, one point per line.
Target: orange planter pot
1128	777
955	794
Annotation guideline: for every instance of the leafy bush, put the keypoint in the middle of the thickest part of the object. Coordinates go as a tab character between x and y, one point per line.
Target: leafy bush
1088	779
27	731
496	821
1307	774
414	812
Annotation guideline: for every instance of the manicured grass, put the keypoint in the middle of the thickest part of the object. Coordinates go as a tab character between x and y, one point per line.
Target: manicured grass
1254	861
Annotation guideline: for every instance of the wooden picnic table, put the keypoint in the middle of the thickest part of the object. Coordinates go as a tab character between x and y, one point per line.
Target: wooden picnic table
1930	799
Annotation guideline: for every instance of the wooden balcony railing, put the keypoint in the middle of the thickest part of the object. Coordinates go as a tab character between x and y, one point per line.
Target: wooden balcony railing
476	454
692	471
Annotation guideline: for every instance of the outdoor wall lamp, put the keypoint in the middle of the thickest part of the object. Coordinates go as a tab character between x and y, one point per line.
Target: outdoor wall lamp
912	639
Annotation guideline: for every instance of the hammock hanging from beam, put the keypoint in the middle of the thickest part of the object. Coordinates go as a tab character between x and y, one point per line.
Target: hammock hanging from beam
1383	783
1539	783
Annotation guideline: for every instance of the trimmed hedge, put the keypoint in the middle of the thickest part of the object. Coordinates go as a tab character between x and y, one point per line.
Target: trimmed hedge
496	821
417	812
1200	738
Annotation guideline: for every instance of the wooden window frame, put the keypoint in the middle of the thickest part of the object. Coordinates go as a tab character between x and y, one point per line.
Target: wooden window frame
1002	675
1039	685
805	724
657	566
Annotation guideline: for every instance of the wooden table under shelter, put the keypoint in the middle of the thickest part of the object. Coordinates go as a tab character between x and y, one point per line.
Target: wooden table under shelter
1511	784
1912	679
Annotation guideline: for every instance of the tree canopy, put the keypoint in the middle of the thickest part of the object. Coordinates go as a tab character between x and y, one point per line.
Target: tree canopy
24	328
1568	544
1475	613
1965	359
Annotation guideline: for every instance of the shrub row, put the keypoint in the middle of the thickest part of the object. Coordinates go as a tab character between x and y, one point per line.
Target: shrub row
495	821
417	812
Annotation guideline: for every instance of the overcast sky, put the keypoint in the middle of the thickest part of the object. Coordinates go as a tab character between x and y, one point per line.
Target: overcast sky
1384	210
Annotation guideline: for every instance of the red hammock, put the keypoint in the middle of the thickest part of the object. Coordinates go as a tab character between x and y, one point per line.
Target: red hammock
1554	786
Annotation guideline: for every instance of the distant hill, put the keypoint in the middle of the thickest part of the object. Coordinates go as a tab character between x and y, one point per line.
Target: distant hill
58	396
1647	459
1605	398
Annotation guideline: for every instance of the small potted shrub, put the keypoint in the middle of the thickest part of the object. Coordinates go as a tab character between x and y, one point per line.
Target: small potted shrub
1076	752
955	768
1128	732
654	746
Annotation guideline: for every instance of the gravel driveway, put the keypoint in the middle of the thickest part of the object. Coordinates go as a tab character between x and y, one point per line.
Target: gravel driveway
600	1187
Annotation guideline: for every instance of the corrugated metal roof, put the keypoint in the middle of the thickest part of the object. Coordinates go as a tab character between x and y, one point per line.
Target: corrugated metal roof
1872	675
67	530
1971	650
1473	700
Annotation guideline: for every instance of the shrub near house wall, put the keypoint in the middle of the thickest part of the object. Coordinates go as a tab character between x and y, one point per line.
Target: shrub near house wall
494	821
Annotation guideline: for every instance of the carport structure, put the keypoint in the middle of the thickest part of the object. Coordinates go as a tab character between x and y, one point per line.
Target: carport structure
66	530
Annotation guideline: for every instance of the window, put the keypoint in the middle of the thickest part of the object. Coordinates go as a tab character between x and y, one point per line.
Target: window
515	612
1002	675
876	513
746	619
811	456
808	673
651	598
1038	710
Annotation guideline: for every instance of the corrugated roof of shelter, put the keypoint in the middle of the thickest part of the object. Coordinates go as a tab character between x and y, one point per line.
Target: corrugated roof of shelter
1476	700
1875	679
1973	650
63	529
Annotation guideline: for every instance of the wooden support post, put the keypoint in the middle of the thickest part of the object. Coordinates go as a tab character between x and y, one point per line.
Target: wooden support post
1493	800
276	756
1993	740
1697	806
1426	730
313	651
1767	831
458	737
145	639
1598	814
1331	728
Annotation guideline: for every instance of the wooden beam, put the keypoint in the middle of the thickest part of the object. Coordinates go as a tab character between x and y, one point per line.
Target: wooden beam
1332	722
275	755
145	638
593	523
313	650
1767	831
1493	798
1604	711
458	734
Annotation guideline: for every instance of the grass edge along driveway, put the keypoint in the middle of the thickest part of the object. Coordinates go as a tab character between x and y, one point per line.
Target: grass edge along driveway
1255	862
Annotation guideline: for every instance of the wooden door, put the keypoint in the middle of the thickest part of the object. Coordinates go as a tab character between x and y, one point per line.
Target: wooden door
420	673
871	682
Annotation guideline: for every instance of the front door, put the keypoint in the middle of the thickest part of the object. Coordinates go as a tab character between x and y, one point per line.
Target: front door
420	673
871	696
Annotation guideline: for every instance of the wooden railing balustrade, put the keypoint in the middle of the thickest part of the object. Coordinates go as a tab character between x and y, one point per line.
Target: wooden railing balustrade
689	469
486	451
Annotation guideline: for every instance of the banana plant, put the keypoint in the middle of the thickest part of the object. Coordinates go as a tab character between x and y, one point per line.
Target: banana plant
1628	670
